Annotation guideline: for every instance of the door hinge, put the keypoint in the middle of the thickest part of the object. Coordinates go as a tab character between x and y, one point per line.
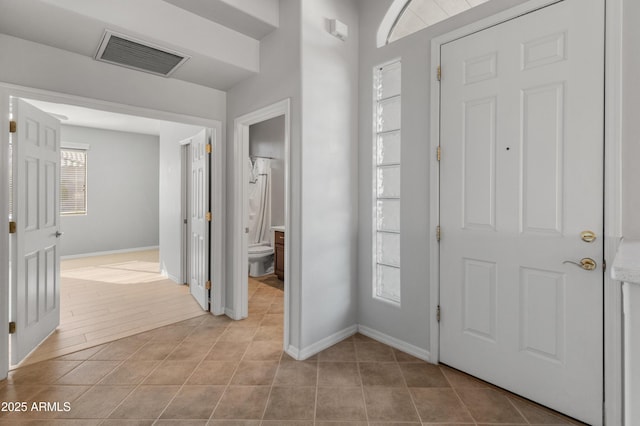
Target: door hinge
208	285
12	327
13	126
438	233
439	73
13	227
438	313
209	216
208	148
438	153
604	265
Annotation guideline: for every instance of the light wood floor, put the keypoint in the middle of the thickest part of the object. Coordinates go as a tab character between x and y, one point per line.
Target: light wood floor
105	298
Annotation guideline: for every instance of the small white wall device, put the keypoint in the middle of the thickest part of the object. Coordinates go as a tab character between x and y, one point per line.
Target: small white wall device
338	29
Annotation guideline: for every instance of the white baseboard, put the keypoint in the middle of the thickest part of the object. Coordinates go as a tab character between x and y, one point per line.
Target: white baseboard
173	278
104	253
230	313
395	343
293	352
309	351
325	343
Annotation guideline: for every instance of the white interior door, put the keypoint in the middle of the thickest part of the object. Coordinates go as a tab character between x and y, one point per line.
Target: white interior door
36	282
521	179
199	219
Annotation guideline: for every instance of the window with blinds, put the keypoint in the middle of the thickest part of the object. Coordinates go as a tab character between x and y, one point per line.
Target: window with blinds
386	186
73	182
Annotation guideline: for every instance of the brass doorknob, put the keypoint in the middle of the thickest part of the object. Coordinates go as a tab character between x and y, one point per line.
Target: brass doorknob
588	236
586	263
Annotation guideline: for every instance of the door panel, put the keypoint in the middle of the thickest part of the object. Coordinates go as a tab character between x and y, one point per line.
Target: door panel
521	178
36	284
199	225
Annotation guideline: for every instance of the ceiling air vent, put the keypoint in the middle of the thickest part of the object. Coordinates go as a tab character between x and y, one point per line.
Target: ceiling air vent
128	52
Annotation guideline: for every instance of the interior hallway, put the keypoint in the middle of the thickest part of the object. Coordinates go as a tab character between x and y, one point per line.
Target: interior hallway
211	370
105	298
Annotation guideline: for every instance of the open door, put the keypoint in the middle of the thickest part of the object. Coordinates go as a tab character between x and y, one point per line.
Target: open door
199	218
35	291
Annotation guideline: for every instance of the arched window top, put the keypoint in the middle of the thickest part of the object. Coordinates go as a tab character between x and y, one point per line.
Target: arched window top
405	17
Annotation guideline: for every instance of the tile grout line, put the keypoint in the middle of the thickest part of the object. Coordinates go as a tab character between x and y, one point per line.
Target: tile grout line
224	392
404	379
455	391
121	363
187	379
315	401
266	405
518	410
137	386
235	369
364	398
90	386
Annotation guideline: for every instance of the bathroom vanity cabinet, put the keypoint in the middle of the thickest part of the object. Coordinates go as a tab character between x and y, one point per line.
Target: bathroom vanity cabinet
279	254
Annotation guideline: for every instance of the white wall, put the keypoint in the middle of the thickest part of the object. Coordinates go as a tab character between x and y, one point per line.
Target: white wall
279	78
410	323
329	200
266	139
122	192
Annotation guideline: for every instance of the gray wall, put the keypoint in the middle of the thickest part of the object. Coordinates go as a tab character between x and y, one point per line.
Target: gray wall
122	192
411	322
279	79
630	121
266	139
329	171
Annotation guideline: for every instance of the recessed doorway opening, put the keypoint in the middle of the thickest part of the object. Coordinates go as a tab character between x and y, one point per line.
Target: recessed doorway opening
128	285
261	188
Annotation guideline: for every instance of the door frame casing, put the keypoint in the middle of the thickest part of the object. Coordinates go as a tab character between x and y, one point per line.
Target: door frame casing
612	183
185	146
240	264
8	90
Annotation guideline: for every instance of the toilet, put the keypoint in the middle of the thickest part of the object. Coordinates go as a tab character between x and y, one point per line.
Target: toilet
260	260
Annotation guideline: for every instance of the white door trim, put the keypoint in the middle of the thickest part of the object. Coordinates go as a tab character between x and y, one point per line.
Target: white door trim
216	188
612	197
613	370
8	90
239	237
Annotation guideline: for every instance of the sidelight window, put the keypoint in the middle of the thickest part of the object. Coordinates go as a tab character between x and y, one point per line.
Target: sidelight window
386	187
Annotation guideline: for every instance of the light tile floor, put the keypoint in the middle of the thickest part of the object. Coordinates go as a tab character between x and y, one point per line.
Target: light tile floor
213	371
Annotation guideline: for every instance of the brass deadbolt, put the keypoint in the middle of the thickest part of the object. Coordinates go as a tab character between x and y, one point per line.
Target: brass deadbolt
588	236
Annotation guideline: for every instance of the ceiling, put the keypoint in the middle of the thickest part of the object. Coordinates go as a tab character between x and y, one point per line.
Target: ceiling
420	14
79	116
222	37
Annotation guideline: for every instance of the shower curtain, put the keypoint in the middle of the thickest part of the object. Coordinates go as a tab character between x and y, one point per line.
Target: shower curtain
259	201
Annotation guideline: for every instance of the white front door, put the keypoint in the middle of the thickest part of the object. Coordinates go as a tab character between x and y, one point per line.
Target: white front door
199	219
521	180
35	304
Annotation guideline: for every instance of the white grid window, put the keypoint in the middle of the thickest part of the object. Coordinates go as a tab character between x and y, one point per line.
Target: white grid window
386	188
73	182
